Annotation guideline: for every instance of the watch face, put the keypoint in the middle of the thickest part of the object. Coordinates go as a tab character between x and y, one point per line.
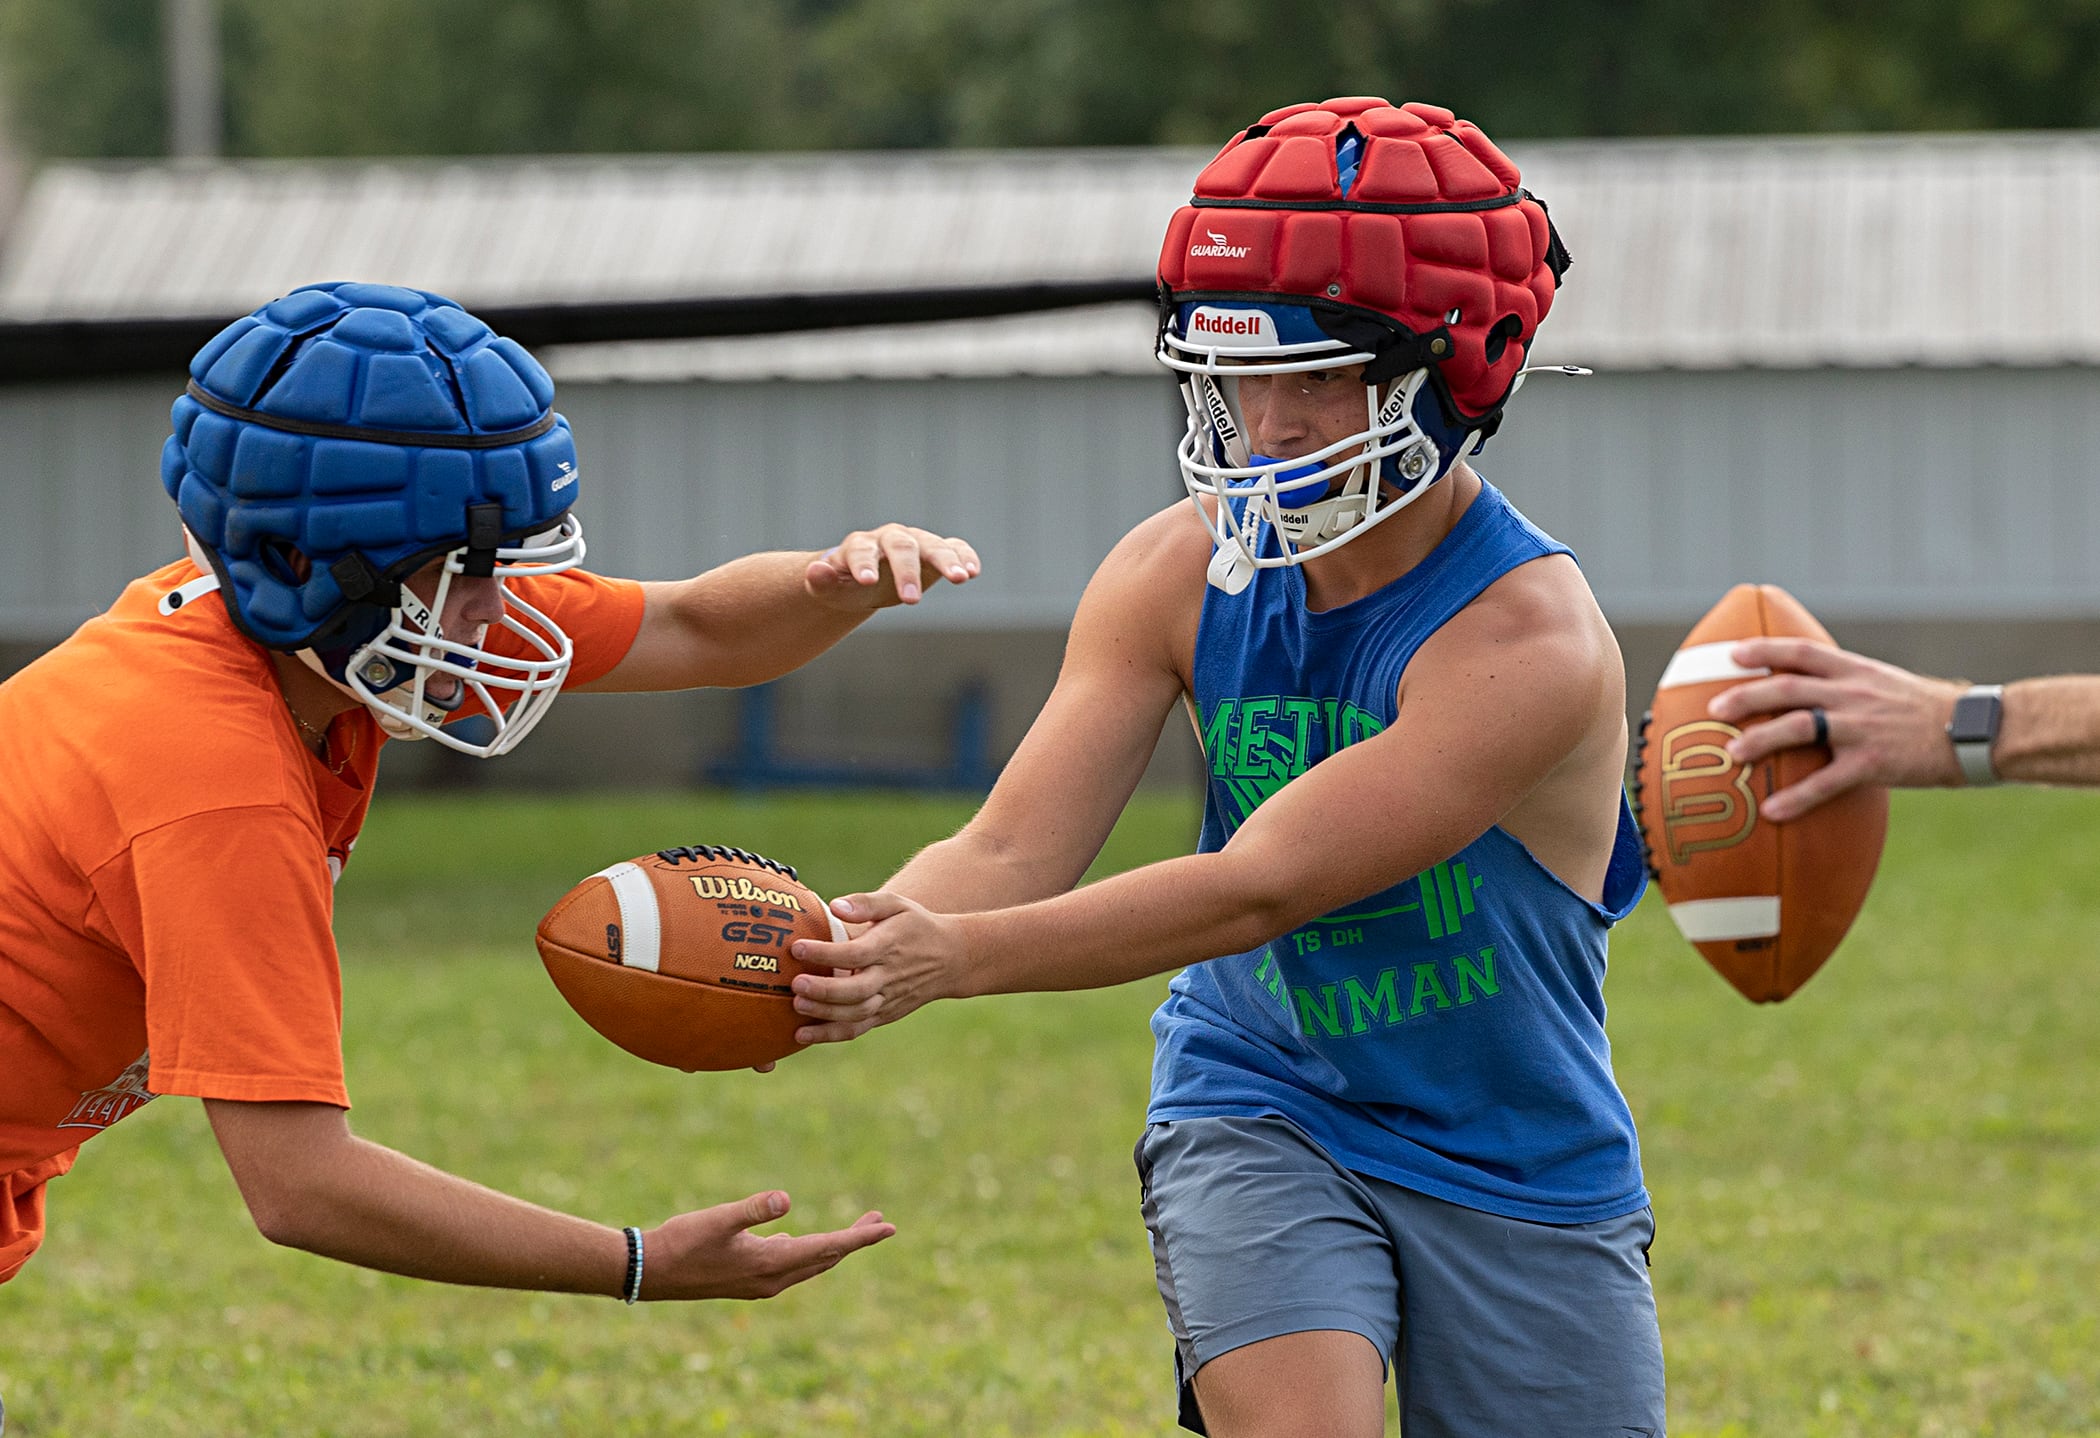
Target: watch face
1975	719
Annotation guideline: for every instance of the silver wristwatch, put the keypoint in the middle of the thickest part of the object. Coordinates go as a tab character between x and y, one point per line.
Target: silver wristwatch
1973	729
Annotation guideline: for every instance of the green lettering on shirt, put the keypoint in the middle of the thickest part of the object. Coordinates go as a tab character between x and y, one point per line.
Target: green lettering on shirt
1325	1009
1381	1002
1427	986
1482	977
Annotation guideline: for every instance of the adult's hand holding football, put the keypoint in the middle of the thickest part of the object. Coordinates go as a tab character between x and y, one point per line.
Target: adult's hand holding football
1887	726
1765	904
711	1253
907	957
890	564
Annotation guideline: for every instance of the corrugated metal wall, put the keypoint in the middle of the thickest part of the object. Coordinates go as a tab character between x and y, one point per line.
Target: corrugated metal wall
1043	476
80	479
1871	494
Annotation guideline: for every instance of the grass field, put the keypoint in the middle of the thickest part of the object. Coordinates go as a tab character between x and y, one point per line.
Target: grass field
1879	1204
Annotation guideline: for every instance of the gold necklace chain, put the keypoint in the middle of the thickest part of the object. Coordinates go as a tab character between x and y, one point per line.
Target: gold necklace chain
320	738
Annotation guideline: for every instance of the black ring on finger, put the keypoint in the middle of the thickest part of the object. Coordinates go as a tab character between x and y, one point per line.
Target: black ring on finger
1822	726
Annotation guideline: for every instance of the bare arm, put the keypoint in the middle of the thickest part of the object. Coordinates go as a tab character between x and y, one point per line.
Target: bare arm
1059	795
2050	731
766	615
311	1184
1494	704
1888	726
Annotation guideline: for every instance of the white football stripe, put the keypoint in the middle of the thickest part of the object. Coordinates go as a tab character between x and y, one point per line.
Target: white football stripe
1704	921
838	927
1705	664
641	924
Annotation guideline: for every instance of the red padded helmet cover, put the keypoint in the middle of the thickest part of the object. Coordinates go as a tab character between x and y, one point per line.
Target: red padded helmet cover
1434	222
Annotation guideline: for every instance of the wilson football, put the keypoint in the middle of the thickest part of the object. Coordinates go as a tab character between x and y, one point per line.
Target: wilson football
1765	903
681	957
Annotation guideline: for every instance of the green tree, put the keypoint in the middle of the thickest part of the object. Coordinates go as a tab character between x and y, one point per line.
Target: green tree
1100	71
400	77
85	78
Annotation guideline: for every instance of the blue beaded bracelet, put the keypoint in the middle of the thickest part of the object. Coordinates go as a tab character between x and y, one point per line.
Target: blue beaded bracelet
634	1265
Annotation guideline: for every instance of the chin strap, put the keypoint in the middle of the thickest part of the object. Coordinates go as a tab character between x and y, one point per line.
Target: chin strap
389	718
196	589
1324	519
1572	371
382	676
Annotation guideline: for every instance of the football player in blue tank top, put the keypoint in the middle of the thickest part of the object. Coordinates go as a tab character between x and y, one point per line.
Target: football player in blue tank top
1383	1124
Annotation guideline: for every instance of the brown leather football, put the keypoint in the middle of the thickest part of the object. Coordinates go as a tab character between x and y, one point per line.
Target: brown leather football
681	957
1765	903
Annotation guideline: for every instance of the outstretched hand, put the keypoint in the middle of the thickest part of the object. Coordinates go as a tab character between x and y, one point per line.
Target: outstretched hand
891	564
906	957
1887	726
711	1253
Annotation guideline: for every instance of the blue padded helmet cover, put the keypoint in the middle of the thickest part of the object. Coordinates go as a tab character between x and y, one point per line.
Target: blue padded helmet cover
356	422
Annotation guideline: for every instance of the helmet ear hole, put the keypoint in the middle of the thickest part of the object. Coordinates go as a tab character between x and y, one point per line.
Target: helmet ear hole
1505	329
286	562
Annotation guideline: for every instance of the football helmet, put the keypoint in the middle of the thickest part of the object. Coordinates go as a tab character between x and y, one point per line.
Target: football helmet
342	439
1352	232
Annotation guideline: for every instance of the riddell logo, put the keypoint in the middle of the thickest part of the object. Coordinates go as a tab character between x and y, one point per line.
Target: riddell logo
1232	329
1219	248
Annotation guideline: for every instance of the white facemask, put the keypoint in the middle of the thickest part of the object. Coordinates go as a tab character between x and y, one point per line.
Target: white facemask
391	673
1309	504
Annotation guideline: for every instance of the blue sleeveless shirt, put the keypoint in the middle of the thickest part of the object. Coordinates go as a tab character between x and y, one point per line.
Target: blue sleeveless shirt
1448	1033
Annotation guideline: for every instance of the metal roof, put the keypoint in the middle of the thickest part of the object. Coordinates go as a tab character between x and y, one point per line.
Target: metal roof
103	241
1941	250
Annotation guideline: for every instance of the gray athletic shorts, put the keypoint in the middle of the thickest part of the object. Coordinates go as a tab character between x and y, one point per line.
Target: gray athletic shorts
1496	1328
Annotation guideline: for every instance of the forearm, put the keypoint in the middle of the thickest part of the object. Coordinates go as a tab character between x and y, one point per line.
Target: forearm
2050	731
974	871
755	619
371	1206
1148	921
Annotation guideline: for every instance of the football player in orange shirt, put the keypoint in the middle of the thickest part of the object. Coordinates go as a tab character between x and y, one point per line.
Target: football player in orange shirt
377	497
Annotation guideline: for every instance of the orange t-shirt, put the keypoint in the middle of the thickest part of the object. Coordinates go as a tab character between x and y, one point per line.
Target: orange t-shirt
168	847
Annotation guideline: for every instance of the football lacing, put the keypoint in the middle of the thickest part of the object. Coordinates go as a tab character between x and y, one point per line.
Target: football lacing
715	853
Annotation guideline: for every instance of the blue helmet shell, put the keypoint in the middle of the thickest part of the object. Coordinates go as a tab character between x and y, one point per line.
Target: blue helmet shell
366	430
